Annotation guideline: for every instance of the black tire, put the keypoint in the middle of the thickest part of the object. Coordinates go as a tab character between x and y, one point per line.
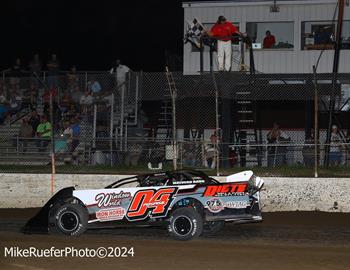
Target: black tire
71	219
213	227
185	224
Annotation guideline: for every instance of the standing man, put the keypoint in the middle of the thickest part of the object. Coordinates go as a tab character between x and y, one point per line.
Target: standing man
53	67
120	72
223	31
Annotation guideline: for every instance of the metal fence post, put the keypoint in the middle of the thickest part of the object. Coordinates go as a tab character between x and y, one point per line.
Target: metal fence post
315	124
111	130
217	125
94	127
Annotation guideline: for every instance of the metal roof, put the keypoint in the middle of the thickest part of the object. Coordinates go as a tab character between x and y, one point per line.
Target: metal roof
253	2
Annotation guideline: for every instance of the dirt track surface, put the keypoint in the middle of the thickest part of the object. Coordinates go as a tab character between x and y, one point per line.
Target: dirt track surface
289	240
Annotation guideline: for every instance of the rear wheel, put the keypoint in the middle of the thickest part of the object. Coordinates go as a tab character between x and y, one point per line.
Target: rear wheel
185	224
71	219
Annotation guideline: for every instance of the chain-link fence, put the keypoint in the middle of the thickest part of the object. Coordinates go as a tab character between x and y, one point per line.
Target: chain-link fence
138	122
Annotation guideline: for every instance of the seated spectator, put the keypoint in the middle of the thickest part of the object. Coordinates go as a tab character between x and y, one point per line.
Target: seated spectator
68	134
44	132
64	143
33	93
15	105
3	113
65	103
86	102
75	126
72	111
269	40
133	155
3	98
95	87
108	99
34	121
25	132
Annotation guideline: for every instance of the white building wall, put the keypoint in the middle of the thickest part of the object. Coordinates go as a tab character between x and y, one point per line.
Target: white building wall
271	60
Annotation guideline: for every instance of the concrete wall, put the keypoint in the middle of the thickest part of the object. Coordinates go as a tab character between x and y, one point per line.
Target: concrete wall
280	194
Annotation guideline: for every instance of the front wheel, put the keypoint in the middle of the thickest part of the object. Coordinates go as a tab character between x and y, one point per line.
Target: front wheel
185	224
71	219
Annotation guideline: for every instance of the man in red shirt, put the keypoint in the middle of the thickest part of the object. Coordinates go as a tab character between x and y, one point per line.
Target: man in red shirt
269	40
223	31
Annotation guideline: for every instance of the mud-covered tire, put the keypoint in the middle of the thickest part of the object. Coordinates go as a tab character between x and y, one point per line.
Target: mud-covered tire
71	219
213	227
185	224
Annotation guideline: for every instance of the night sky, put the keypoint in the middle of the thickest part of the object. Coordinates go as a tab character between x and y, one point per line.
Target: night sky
91	34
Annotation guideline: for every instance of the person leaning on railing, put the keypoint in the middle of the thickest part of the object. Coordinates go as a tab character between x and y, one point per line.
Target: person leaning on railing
223	31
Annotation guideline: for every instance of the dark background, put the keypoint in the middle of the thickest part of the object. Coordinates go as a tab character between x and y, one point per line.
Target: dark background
91	34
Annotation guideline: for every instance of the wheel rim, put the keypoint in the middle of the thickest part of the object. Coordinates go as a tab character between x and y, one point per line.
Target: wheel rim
182	225
69	221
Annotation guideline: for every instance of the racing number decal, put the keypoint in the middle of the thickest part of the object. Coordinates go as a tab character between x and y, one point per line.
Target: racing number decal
150	202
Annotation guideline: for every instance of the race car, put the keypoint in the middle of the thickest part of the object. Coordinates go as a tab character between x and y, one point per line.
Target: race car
188	203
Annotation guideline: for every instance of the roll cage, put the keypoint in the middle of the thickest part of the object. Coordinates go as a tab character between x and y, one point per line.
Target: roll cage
168	178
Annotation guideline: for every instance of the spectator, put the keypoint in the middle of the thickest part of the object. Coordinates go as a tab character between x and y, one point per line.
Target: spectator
309	151
73	78
276	155
44	133
269	40
34	121
3	113
133	155
33	93
95	87
3	98
16	72
86	102
121	73
76	95
75	126
322	37
68	135
223	30
53	67
15	104
25	133
35	65
211	151
65	102
335	147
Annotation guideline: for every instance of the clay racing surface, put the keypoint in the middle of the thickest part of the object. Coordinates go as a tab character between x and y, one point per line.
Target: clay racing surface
286	240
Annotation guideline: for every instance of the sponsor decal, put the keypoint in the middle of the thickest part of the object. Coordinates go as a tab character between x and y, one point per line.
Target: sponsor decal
225	190
194	181
236	204
110	214
105	200
150	202
215	205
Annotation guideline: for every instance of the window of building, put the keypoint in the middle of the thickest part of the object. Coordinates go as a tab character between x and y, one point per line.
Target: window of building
207	27
320	35
271	35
